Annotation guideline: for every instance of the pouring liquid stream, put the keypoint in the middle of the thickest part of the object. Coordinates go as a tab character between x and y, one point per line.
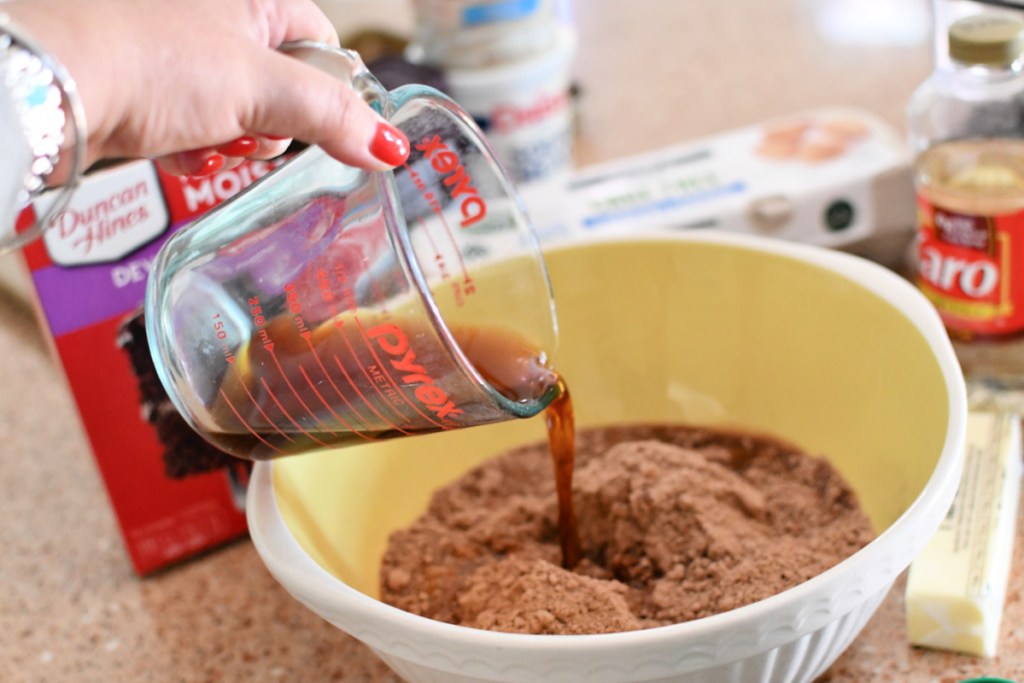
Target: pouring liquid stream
562	441
518	372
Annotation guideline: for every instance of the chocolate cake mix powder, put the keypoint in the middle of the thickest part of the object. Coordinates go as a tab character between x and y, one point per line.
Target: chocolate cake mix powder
676	523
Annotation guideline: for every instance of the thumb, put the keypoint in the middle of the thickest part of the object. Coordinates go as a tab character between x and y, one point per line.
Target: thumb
295	100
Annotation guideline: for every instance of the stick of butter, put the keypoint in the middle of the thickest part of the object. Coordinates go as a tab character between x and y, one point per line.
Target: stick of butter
957	586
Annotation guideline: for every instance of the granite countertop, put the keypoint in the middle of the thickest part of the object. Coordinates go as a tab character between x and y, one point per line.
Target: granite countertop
652	73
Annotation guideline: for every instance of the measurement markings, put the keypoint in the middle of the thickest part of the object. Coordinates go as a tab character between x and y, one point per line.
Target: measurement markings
280	407
367	401
252	398
295	393
330	380
455	244
376	387
246	424
326	405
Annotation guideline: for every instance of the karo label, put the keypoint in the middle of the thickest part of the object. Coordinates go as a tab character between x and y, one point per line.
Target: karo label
966	268
957	229
114	214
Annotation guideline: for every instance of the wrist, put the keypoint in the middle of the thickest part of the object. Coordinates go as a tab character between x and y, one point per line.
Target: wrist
85	32
50	117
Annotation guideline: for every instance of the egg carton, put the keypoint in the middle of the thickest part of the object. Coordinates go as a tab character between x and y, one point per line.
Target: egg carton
832	177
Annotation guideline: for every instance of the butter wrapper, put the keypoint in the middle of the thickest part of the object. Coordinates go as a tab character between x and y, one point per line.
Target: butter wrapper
957	586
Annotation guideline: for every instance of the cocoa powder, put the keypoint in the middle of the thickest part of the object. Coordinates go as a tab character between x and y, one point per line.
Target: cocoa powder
676	523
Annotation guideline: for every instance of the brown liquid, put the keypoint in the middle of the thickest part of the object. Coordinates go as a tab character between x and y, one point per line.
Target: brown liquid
515	370
337	385
562	442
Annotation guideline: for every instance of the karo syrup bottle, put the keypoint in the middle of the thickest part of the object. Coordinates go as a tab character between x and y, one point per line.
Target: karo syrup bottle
966	126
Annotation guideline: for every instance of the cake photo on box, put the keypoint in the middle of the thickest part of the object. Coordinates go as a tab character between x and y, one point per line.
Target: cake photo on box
185	453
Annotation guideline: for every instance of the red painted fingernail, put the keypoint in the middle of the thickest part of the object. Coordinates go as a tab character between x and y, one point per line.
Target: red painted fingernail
239	147
211	165
389	144
275	137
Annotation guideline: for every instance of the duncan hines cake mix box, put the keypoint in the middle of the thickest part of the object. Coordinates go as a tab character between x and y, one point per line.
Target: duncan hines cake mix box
173	494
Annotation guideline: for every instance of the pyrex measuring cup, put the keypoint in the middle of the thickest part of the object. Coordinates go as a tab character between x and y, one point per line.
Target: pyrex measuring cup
326	305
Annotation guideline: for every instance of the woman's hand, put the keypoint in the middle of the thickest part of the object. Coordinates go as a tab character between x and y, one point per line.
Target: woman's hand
200	84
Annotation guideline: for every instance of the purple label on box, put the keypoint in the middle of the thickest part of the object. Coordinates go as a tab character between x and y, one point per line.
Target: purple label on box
76	297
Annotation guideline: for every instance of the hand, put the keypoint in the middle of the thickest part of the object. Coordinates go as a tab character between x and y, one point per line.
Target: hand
199	83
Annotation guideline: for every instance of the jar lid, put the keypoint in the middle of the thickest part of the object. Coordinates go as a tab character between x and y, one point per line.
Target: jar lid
986	39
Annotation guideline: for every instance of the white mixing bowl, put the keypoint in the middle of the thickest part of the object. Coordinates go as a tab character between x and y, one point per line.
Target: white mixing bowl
821	349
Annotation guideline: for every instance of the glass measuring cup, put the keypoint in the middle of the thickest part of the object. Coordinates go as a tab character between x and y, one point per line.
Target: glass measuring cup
326	305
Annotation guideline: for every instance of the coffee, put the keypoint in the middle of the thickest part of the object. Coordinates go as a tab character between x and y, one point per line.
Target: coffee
290	389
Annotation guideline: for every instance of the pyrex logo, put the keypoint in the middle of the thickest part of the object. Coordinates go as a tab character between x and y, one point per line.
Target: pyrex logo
446	162
121	210
393	341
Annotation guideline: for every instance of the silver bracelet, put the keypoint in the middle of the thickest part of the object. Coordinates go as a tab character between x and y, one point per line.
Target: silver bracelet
42	91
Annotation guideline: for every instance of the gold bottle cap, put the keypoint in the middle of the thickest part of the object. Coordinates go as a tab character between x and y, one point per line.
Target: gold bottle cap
986	39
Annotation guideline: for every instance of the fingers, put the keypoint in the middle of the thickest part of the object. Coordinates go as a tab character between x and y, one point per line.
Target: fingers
252	147
209	160
239	147
197	162
298	20
298	100
279	98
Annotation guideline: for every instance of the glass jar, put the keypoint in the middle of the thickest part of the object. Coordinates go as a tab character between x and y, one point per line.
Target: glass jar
966	127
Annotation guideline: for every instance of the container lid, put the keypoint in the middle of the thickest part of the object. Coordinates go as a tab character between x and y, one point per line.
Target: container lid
986	39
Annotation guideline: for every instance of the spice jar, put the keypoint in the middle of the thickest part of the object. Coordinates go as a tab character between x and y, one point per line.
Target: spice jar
966	125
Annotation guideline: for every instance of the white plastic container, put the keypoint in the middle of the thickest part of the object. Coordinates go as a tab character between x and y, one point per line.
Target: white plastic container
461	34
524	108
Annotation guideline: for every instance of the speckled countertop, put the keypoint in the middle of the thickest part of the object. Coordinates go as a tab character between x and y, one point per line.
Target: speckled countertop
653	72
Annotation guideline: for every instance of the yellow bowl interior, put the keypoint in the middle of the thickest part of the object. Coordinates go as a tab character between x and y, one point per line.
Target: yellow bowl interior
670	331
